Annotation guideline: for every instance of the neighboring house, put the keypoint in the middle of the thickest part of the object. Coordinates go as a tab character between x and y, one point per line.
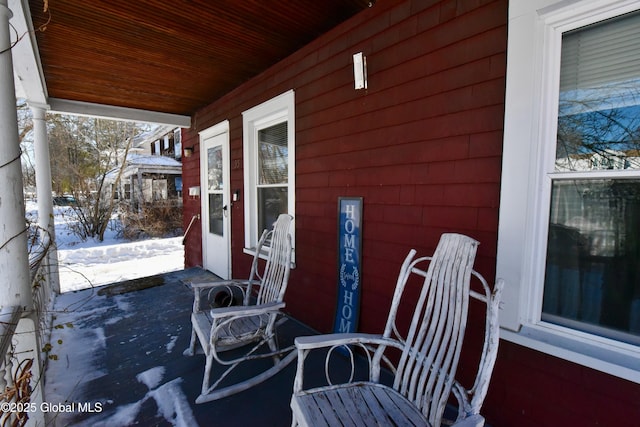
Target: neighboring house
455	131
147	179
152	171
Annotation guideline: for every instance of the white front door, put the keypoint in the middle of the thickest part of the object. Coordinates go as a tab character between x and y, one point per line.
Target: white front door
216	209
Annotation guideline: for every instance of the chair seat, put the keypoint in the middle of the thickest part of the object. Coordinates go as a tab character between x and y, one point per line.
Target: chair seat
360	404
235	333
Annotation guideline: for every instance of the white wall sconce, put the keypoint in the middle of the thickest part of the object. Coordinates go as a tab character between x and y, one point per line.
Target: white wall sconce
188	151
360	70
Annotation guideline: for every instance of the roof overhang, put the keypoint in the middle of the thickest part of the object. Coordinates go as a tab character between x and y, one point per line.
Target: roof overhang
27	70
156	61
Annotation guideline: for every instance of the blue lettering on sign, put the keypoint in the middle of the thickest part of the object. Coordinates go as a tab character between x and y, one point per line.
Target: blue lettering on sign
349	259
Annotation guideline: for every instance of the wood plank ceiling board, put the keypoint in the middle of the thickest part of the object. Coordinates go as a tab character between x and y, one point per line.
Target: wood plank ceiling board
171	56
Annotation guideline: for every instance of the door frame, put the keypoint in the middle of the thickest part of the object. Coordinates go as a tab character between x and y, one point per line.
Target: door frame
221	128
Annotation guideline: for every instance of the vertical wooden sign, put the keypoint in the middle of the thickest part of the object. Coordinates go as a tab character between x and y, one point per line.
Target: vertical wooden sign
349	264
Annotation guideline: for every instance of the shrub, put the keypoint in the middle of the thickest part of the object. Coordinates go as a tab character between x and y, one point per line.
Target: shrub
161	218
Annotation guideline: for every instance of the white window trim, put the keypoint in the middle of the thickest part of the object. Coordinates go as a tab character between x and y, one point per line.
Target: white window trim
271	112
531	107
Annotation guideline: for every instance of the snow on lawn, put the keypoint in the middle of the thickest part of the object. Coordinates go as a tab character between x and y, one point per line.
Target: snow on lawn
85	267
93	263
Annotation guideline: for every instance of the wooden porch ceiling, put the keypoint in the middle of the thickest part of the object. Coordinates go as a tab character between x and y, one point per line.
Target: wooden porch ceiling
171	56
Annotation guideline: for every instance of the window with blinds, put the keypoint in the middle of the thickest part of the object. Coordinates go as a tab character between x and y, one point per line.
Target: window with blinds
592	274
273	174
269	165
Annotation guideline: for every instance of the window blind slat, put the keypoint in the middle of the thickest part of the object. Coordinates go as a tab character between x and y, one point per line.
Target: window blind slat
602	54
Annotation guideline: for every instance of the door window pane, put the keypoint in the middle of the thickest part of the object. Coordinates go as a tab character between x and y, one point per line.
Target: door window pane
214	174
215	214
215	185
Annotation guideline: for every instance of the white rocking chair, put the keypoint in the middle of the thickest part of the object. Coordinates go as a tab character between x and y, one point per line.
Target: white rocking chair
219	325
422	364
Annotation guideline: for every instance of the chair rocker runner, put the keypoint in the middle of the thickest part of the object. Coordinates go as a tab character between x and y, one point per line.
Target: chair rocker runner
422	362
250	327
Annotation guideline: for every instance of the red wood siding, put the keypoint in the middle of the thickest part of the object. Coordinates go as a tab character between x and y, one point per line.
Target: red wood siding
422	145
530	389
191	205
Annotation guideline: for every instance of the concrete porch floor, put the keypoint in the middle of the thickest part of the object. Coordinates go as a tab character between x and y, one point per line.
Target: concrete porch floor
118	350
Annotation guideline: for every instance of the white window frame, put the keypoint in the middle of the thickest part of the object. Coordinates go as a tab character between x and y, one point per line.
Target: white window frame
531	114
269	113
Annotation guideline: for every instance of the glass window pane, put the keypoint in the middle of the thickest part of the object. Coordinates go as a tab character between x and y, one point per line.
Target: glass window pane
216	221
214	163
273	155
592	279
272	201
599	109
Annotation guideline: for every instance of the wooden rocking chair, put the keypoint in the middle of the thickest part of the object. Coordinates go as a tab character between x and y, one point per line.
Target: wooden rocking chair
422	363
220	325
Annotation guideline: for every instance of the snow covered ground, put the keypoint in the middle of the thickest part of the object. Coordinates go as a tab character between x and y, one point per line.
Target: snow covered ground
93	263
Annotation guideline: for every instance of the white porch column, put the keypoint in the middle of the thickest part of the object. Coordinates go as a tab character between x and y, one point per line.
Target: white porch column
43	191
140	192
15	286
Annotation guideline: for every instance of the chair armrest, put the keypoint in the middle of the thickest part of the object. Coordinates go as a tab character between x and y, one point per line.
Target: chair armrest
242	311
338	339
207	285
372	345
